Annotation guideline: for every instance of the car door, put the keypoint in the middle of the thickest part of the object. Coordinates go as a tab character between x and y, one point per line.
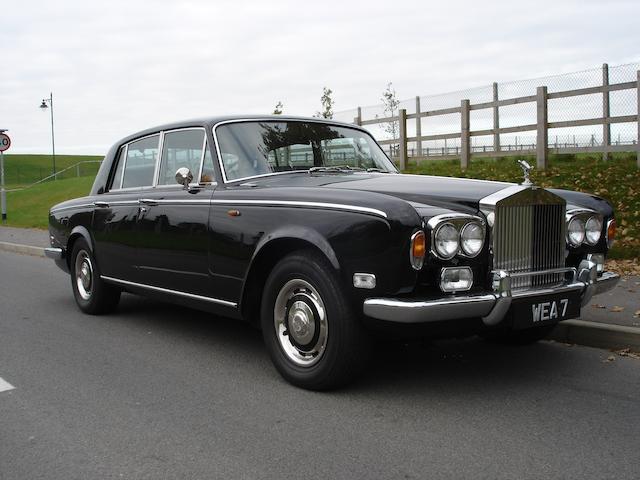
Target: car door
172	227
116	212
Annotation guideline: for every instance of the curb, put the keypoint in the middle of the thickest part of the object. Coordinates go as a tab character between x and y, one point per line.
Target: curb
22	249
580	332
600	335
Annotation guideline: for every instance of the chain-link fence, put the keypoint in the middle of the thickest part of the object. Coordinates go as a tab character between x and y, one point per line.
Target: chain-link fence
580	99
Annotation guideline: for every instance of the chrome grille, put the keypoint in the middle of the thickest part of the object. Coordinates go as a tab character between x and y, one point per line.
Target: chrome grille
529	236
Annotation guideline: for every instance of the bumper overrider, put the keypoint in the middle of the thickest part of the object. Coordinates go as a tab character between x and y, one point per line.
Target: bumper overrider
492	307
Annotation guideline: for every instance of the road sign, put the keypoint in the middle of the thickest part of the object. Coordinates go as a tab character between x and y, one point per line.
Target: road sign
5	142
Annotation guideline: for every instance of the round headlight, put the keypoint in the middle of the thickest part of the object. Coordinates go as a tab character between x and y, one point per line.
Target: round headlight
575	231
593	230
471	239
446	240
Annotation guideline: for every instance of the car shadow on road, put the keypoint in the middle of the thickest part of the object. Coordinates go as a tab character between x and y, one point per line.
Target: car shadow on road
446	366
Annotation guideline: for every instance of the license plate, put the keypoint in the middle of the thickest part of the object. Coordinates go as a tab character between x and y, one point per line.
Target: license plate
545	310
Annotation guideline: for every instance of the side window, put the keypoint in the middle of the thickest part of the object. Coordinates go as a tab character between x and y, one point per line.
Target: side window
208	173
116	181
141	162
180	149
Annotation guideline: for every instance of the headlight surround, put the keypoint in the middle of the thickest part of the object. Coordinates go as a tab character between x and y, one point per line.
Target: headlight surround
472	239
593	230
446	240
576	231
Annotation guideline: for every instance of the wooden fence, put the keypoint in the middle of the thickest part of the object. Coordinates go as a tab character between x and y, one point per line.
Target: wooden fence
541	148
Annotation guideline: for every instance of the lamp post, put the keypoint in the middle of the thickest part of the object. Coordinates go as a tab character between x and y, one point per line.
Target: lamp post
46	103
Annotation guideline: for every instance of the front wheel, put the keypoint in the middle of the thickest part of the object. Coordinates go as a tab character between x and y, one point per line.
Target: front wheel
93	295
312	336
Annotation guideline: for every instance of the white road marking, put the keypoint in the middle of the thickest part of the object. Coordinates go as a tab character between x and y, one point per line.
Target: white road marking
4	385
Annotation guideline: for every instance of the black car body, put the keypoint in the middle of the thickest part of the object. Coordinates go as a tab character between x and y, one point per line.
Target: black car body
265	202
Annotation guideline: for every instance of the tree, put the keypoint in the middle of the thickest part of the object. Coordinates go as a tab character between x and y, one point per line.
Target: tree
327	104
391	104
278	109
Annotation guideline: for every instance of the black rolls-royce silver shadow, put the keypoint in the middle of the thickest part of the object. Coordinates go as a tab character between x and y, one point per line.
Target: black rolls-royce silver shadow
305	228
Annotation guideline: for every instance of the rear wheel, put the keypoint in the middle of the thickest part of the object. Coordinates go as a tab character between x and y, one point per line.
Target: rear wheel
520	337
312	336
93	295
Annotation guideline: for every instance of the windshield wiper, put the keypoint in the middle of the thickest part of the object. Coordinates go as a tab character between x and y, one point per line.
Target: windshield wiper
375	169
335	169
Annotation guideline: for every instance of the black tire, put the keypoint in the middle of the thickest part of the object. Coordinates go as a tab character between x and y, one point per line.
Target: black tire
93	295
519	337
316	318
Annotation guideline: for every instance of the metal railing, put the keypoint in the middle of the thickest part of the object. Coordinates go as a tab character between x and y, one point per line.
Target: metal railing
55	176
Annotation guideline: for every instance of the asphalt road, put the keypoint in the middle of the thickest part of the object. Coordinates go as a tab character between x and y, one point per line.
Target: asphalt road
156	391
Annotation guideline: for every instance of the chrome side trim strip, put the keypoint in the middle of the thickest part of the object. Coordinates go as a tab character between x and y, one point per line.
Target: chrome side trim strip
127	283
60	209
272	203
302	204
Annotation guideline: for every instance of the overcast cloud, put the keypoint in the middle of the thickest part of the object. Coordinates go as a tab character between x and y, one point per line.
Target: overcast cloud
119	66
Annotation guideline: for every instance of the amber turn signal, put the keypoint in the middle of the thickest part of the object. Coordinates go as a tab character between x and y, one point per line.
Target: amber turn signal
418	249
611	232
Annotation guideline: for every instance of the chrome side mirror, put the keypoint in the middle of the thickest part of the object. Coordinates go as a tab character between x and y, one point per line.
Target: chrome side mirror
184	176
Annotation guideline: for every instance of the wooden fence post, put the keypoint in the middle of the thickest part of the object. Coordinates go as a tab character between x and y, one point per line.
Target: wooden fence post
358	119
542	137
606	113
418	128
496	120
465	150
402	154
638	113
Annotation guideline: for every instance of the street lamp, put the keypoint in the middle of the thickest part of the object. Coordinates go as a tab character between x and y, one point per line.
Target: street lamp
44	107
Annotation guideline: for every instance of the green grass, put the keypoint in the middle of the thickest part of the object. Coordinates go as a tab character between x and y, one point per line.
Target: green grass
617	180
21	170
30	207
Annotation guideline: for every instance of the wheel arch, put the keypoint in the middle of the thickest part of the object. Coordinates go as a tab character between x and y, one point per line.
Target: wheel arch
78	232
267	254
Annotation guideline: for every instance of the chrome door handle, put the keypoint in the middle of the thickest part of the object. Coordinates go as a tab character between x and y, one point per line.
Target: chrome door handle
147	201
101	204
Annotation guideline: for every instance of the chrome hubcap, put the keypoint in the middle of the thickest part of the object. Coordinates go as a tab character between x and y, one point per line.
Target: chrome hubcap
300	322
84	274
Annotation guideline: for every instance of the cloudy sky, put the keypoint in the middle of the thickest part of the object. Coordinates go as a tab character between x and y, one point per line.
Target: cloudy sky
120	66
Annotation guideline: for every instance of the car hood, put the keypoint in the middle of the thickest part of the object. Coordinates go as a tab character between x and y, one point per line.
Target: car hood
425	192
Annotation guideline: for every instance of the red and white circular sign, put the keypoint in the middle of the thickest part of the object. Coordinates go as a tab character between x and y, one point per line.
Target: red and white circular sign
5	142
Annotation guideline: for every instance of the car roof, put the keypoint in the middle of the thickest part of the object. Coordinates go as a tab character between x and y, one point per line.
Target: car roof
209	122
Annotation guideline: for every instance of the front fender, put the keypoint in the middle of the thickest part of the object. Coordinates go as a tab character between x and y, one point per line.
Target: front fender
300	233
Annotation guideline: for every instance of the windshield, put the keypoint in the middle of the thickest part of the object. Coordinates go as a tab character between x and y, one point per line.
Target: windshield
256	148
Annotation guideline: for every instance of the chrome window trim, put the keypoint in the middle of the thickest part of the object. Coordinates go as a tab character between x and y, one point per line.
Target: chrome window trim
156	169
276	120
169	291
159	162
124	167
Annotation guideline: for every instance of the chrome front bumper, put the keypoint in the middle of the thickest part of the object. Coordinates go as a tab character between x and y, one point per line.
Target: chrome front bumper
491	307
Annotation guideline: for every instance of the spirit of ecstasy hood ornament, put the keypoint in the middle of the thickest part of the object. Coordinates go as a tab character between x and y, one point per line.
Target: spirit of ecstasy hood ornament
526	168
